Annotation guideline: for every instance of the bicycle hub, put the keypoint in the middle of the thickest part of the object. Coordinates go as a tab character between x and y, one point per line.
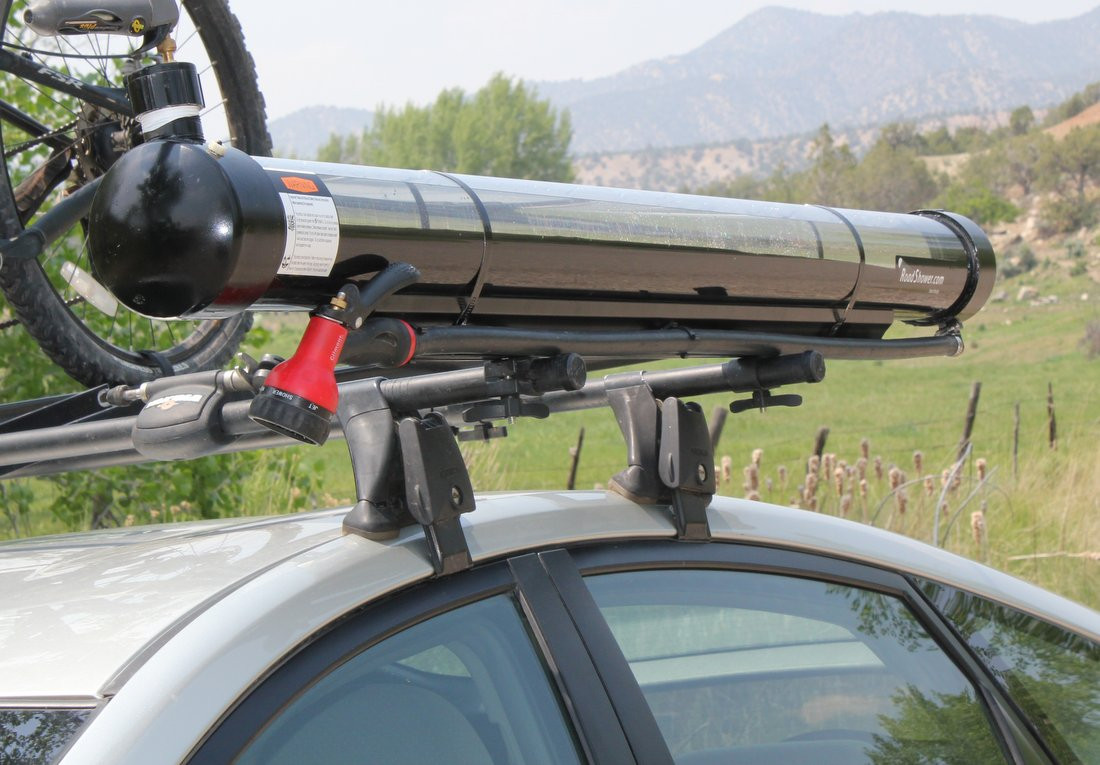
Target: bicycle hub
126	17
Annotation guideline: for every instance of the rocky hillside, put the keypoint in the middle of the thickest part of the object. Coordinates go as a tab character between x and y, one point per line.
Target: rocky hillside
781	72
693	167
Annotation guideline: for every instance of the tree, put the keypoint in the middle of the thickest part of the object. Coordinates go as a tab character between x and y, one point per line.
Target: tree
827	179
1015	162
892	177
1020	158
903	135
503	130
1021	120
1074	105
940	141
1070	168
1075	161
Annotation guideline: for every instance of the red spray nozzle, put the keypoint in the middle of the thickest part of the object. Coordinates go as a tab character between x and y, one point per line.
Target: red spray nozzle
299	396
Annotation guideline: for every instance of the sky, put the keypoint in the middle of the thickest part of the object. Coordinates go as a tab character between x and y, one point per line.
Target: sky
362	53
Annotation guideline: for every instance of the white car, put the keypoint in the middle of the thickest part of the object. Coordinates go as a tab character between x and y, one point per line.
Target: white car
583	630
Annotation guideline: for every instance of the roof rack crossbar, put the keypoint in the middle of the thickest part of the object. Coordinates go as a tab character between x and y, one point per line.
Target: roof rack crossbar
401	434
85	445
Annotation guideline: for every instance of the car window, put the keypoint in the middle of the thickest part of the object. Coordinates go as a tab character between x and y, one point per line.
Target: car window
748	667
1051	673
465	686
37	736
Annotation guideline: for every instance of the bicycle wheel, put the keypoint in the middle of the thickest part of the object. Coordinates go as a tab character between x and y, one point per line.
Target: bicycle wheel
65	143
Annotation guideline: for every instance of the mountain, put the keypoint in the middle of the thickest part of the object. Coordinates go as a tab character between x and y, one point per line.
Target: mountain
780	71
301	133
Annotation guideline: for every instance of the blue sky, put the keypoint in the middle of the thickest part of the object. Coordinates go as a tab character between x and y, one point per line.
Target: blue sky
361	53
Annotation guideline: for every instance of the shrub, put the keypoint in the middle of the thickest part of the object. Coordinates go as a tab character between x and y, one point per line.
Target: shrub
1061	214
1018	260
977	202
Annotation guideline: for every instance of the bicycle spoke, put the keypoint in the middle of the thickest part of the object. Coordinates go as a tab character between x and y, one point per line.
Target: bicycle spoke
65	61
191	36
47	94
110	333
209	109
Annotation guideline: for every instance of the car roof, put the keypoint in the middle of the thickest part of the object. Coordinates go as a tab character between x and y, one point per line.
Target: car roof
80	613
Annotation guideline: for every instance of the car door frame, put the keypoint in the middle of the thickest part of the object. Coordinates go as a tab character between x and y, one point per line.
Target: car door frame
602	701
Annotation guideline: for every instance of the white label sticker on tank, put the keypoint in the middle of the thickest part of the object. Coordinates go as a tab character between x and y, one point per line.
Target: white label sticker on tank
312	235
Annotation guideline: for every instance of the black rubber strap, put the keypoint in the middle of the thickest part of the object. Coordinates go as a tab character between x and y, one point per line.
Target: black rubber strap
483	269
160	360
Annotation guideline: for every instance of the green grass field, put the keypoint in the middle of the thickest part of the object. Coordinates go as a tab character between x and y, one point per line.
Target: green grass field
1041	510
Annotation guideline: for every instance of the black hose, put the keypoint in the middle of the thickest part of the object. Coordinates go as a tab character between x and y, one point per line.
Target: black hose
50	225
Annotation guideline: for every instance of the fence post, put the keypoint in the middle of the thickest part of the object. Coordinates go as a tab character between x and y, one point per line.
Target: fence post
1052	426
575	455
819	443
971	413
1016	444
717	422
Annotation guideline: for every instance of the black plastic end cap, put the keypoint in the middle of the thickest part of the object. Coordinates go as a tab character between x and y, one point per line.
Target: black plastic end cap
162	85
814	364
291	415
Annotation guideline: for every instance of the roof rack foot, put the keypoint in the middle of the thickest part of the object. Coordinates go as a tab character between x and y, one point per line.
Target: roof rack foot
369	431
686	465
438	488
638	416
367	520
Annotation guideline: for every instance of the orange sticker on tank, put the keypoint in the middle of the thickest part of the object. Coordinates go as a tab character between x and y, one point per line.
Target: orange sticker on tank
302	185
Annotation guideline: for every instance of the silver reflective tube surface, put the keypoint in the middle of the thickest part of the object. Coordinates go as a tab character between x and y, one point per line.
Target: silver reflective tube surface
523	253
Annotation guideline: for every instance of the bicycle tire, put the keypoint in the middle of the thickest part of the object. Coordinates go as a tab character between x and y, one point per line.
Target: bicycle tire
92	356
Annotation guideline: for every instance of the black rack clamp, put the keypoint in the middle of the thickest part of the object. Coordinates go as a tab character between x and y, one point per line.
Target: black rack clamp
686	466
437	488
669	456
670	459
182	416
432	489
407	466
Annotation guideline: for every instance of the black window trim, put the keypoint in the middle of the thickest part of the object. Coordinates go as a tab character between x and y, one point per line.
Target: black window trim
1013	734
599	724
577	628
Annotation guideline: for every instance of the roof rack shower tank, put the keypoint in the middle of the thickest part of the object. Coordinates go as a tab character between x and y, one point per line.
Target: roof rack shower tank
182	229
